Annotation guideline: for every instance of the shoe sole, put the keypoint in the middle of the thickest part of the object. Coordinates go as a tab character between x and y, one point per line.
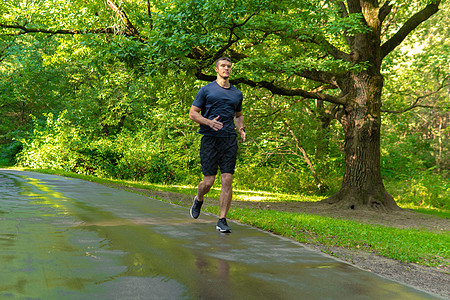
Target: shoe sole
223	231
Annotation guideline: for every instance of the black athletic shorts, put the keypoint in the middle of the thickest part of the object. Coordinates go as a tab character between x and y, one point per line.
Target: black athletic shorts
218	152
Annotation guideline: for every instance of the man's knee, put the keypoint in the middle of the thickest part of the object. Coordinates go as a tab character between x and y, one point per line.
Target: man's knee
227	179
208	181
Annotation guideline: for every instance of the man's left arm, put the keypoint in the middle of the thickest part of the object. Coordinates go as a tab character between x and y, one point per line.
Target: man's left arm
239	122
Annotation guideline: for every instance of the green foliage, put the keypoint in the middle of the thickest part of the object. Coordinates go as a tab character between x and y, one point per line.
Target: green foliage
396	162
58	145
143	158
416	94
56	13
116	107
423	189
9	152
274	39
274	180
50	144
27	86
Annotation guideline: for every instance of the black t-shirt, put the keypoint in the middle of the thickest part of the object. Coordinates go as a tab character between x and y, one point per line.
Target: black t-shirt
214	100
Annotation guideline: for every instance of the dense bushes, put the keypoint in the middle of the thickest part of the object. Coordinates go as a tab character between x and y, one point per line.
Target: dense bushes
274	180
57	144
51	144
425	189
9	153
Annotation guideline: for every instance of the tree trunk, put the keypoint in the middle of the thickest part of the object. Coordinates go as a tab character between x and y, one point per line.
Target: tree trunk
362	185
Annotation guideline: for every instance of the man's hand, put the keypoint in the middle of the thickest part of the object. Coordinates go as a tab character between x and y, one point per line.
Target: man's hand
242	133
195	115
215	124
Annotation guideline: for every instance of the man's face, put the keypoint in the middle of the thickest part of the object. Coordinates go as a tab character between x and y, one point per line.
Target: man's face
223	68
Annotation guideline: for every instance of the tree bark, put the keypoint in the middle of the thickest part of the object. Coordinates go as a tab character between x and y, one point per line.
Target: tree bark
362	185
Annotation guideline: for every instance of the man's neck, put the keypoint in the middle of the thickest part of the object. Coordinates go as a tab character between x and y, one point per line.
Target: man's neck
223	82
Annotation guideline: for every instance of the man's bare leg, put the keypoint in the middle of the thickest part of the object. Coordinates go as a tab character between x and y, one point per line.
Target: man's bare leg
204	186
226	194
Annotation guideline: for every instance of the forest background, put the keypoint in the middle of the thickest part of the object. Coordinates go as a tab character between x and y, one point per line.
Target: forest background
82	92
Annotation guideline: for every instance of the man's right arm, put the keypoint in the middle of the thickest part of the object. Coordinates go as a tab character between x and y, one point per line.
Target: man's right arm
195	115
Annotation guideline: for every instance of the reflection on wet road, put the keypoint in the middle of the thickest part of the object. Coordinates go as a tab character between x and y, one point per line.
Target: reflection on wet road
63	238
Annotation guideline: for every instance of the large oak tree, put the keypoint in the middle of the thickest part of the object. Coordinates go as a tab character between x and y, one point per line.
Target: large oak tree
328	51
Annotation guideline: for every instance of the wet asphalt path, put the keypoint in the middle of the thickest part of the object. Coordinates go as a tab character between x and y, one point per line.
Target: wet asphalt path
63	238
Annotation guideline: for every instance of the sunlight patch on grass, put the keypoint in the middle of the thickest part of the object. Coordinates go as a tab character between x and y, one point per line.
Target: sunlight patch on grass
246	195
255	198
426	210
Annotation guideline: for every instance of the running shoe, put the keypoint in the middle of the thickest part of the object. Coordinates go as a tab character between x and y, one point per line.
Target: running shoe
195	209
222	225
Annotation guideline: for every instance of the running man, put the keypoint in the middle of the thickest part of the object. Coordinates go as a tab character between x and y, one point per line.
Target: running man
218	109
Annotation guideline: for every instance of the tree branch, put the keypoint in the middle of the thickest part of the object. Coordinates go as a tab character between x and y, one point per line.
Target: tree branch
291	92
130	30
232	39
344	14
305	155
319	76
332	50
245	21
409	26
354	6
416	103
341	5
317	40
25	30
278	90
329	78
149	13
384	11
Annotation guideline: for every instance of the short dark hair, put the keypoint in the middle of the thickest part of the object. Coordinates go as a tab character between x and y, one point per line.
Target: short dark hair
222	58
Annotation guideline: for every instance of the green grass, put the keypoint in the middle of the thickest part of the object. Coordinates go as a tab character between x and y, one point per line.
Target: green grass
406	245
428	211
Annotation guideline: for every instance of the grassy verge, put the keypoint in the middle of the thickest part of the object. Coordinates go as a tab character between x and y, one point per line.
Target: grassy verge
406	245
